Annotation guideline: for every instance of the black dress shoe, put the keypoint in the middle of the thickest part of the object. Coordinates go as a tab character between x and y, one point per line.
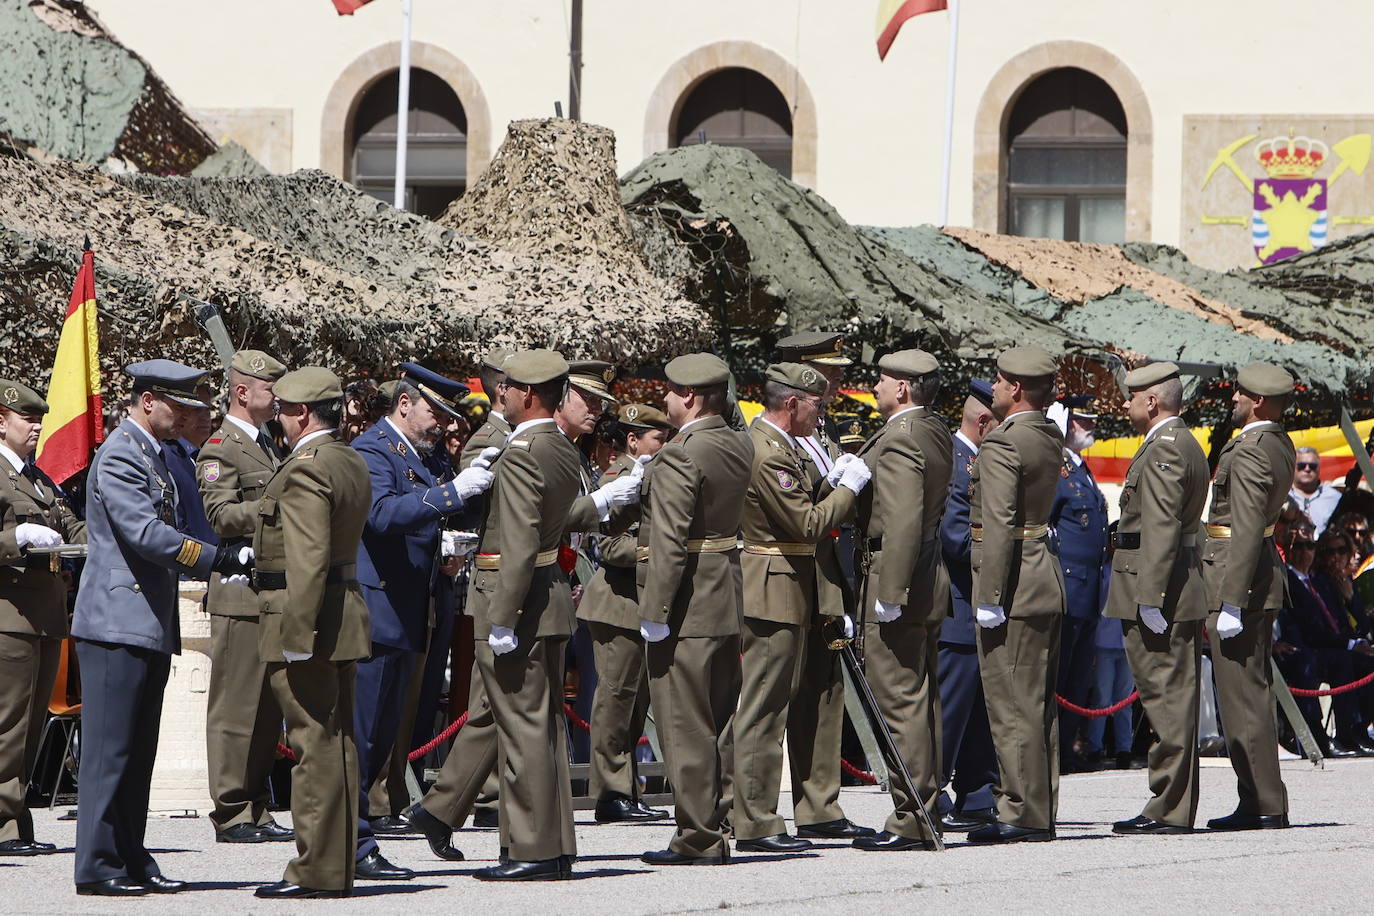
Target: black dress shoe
391	824
373	867
283	890
620	809
112	887
891	842
777	843
1354	744
998	832
246	833
669	857
160	885
543	870
277	833
438	834
486	817
25	848
1140	824
1238	821
1128	761
971	819
842	829
657	814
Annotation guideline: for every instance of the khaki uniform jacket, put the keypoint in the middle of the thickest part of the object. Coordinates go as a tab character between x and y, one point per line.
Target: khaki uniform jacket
782	525
1248	492
612	596
1012	486
537	478
491	433
232	471
33	597
693	490
911	458
310	522
833	595
1162	500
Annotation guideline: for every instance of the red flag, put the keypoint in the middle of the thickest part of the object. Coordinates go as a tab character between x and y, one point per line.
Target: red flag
891	15
75	423
348	7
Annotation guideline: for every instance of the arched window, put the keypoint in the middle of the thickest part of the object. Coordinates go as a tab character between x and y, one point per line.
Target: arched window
436	140
738	107
1066	160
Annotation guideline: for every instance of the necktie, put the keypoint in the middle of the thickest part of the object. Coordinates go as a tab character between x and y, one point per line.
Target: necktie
268	447
1321	605
31	474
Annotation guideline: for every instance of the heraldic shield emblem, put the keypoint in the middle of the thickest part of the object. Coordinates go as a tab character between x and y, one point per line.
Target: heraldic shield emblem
1290	204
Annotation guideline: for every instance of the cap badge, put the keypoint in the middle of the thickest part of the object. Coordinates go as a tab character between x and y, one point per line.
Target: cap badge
257	364
632	413
809	376
11	394
786	480
608	375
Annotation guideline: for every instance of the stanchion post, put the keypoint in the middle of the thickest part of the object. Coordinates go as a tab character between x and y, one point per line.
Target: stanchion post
1294	716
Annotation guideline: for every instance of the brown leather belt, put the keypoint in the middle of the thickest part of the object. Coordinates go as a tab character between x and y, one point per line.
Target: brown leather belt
1130	540
493	560
272	580
1027	533
1224	531
779	549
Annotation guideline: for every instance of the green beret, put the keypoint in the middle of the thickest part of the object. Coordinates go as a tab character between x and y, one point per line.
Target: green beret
798	376
913	363
1266	380
1026	362
257	364
1149	375
308	385
814	347
592	376
697	370
643	416
534	367
496	357
20	398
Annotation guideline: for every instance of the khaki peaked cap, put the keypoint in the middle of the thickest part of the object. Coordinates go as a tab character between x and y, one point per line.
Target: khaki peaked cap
912	363
1027	362
1149	375
821	347
20	398
1266	380
308	385
697	370
534	367
257	364
798	376
592	376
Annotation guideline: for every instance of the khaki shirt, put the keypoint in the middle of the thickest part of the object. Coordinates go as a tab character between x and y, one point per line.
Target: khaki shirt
33	596
232	472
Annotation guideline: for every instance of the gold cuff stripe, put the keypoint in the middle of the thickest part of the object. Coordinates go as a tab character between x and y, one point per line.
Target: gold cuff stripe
493	560
189	554
1028	533
1224	531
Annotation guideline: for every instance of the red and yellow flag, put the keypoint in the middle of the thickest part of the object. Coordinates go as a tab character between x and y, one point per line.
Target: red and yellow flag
892	13
349	7
75	423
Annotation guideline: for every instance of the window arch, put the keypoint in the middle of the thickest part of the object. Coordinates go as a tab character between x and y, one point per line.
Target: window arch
737	106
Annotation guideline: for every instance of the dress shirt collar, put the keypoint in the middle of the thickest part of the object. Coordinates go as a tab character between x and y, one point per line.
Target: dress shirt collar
15	461
251	431
788	437
904	410
528	424
157	446
397	431
310	437
959	434
683	428
1154	429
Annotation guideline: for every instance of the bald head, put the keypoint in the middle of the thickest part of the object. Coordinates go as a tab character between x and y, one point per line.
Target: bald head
1160	401
977	420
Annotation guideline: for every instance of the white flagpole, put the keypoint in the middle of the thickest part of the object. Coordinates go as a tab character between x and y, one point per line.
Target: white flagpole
403	108
949	111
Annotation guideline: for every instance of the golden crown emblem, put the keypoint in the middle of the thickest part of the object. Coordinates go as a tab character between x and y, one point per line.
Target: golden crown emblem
1291	157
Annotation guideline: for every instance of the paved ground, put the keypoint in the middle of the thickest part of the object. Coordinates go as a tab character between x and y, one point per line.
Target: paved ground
1320	865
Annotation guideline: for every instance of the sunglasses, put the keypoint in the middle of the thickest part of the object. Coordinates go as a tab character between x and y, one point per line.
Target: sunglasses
1304	545
1308	466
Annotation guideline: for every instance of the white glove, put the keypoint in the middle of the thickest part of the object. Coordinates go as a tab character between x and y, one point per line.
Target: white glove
653	632
990	615
847	625
502	640
856	476
483	461
837	470
29	534
295	656
623	491
1153	618
1229	623
458	543
473	481
886	613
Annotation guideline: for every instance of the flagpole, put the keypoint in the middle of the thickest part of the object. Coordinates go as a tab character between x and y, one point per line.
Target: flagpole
403	108
949	111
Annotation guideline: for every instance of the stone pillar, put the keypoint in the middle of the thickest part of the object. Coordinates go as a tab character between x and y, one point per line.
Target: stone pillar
180	775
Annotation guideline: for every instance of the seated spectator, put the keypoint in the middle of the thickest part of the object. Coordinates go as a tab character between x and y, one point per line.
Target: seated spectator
1355	525
1315	498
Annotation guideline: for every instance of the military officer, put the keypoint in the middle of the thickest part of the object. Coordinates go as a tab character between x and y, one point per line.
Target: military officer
398	564
1018	591
692	499
314	625
127	627
495	429
969	763
610	609
781	525
906	586
815	717
1157	592
1244	578
243	721
33	606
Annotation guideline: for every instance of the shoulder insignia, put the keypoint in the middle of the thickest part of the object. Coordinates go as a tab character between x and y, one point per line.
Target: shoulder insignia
1167	438
210	471
786	480
1064	471
216	441
519	443
301	456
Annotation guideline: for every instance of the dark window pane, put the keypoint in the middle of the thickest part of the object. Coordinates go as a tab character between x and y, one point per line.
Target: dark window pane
1038	217
1102	220
738	107
1041	165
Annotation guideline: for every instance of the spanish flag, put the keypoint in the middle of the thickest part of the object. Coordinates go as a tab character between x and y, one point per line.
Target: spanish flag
892	13
75	423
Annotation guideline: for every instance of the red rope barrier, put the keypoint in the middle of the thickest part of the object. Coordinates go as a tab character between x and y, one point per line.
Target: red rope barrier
1097	713
862	776
583	725
284	751
1333	691
439	739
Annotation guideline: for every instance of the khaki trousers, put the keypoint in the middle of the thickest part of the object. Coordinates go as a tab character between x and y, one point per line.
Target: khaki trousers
1019	664
1246	702
694	686
28	669
242	724
771	670
1166	668
901	660
525	689
618	710
470	761
815	727
316	697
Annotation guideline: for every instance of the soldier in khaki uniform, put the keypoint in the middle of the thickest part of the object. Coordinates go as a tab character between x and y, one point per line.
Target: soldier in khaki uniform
33	606
1018	589
522	614
243	720
495	429
899	522
781	526
1244	576
1156	590
692	499
610	609
313	626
